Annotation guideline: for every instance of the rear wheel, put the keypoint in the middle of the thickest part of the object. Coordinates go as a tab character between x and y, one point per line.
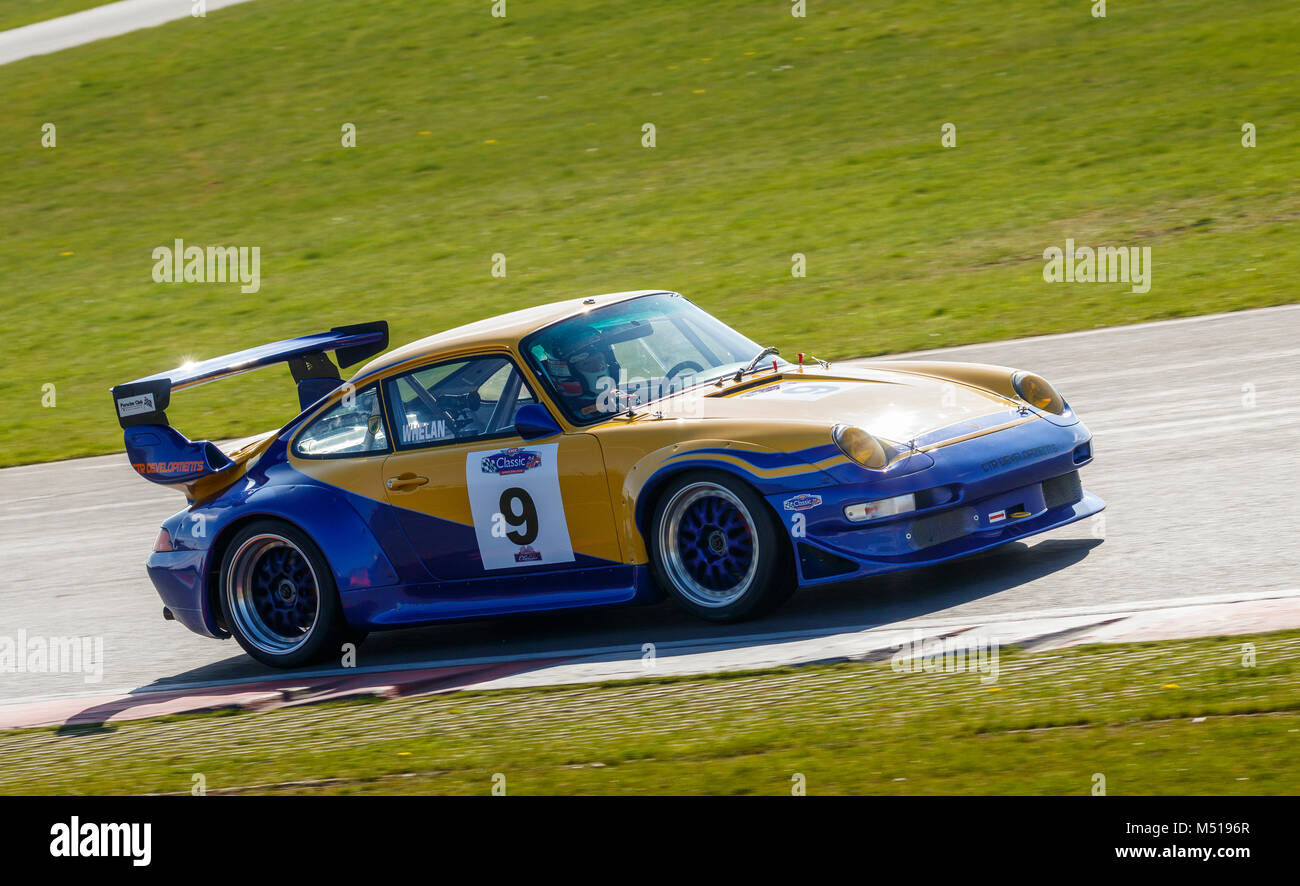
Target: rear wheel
279	598
716	549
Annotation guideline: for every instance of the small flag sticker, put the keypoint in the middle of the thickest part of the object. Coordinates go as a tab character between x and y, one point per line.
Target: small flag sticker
998	516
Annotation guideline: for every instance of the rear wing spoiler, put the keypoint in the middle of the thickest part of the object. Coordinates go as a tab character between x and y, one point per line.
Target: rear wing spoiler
163	455
144	401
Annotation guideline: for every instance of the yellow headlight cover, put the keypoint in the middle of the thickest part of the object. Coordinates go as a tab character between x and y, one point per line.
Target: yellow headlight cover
1035	391
860	446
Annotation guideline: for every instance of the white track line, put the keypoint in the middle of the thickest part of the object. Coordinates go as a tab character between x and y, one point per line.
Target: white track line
119	505
1237	418
90	25
1178	321
1178	367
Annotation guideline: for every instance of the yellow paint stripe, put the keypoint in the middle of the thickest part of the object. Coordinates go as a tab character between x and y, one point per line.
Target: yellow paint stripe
841	459
772	473
973	434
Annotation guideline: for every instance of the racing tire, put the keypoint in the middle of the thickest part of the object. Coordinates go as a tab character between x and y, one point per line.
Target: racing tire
279	598
717	550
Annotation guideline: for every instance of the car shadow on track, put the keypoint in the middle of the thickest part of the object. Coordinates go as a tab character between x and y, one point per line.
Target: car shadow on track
614	634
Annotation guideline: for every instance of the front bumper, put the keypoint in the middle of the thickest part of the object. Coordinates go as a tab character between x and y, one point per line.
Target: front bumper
977	494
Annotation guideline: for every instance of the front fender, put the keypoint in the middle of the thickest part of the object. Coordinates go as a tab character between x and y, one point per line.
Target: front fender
987	376
767	470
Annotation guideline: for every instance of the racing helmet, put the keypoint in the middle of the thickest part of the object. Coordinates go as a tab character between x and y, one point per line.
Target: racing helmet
578	359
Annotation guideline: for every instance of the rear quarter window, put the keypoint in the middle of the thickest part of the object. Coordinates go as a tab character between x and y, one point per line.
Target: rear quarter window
353	426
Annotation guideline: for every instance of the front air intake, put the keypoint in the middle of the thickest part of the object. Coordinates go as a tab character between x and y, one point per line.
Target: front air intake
1063	490
816	563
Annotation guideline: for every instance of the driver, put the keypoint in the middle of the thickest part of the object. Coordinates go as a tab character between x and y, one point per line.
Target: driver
581	366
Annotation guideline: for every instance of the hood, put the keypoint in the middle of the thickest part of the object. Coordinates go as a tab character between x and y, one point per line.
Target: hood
896	406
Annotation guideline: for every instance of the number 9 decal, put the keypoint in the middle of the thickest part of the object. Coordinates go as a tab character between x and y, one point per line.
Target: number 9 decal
527	516
518	488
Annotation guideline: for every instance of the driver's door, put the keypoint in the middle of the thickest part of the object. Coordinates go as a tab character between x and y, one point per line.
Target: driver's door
474	498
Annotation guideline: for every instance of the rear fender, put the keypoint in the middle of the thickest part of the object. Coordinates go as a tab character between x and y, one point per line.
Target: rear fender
356	559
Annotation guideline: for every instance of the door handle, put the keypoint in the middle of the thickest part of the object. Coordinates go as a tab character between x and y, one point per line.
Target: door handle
406	481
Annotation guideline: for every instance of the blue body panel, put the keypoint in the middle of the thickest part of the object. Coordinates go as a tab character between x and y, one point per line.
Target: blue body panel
384	582
1003	472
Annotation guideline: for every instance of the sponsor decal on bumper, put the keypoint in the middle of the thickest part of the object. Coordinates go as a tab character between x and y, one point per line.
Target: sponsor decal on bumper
1014	458
801	502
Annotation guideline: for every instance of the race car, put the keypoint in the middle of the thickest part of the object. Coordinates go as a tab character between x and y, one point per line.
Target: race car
593	452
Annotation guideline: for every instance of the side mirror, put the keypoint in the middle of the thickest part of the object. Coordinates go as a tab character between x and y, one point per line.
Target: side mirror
532	422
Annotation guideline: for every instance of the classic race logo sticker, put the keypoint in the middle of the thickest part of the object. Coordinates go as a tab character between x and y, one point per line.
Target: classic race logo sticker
526	554
511	461
801	502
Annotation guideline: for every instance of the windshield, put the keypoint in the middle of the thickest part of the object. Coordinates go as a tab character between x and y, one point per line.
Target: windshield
625	355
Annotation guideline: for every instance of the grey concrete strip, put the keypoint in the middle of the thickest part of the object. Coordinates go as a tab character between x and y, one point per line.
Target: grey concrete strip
1038	632
102	22
1198	475
970	648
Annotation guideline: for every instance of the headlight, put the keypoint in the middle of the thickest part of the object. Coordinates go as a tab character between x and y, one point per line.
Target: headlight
860	446
1035	391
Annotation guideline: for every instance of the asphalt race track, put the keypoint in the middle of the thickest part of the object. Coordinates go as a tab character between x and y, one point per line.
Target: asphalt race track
1196	425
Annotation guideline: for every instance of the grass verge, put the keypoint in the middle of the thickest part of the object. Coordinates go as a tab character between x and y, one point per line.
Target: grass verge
1175	717
523	137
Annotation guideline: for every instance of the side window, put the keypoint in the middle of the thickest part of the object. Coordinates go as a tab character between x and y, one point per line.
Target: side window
355	426
456	401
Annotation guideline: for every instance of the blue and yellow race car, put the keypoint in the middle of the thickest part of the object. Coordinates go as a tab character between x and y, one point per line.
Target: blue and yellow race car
592	452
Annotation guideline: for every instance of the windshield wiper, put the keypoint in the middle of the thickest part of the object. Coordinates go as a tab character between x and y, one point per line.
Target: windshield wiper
630	410
768	351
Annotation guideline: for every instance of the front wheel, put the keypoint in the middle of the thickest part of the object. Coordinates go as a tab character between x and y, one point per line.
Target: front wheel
715	549
279	598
